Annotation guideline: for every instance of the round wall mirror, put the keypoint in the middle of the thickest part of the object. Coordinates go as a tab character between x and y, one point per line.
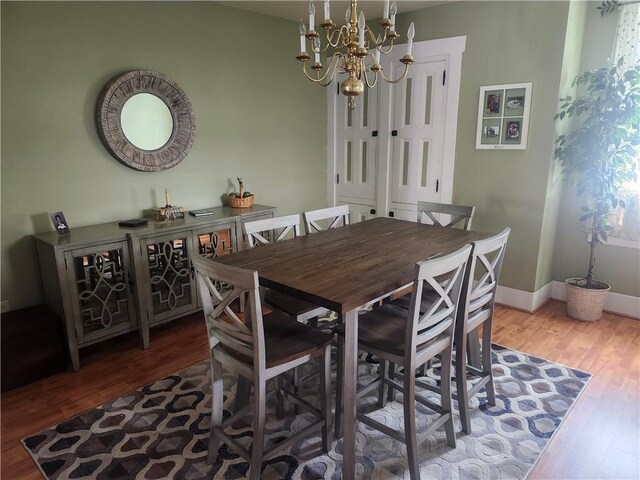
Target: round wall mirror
145	120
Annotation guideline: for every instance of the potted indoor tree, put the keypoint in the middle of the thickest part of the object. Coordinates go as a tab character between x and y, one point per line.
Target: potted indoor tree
598	158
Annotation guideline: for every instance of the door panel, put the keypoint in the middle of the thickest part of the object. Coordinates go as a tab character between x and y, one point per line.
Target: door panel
408	213
360	213
418	133
356	147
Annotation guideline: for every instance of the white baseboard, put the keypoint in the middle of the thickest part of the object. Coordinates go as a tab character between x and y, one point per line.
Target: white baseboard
520	299
530	301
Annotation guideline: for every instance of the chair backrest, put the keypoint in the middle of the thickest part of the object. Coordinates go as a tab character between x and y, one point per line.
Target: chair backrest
481	281
243	340
288	225
445	276
337	216
460	214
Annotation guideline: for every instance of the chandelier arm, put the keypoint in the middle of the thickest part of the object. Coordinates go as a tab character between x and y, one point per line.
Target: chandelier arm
320	79
375	79
384	36
383	51
338	34
322	50
373	40
406	69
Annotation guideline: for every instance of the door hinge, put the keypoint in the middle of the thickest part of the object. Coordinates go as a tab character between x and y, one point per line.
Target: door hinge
338	178
66	266
437	185
444	76
337	88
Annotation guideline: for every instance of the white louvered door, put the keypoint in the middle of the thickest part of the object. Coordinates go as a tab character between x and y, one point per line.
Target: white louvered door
417	138
398	146
356	152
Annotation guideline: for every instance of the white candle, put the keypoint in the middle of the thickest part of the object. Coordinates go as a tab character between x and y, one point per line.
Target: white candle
378	41
166	196
312	16
347	16
393	11
327	14
361	25
385	13
410	33
316	49
303	32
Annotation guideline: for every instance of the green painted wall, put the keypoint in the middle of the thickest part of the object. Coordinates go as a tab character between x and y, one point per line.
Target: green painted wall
571	60
256	116
507	42
618	266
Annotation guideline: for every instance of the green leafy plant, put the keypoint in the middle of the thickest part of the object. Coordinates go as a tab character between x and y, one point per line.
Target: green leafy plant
608	6
601	154
243	193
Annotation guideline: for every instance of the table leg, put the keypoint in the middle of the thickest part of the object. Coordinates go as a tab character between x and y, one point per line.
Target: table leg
349	386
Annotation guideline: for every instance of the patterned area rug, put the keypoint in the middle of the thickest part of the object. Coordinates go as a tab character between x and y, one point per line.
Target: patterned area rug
161	431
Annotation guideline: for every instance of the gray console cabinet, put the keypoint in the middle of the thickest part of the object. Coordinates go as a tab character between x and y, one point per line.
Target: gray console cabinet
106	280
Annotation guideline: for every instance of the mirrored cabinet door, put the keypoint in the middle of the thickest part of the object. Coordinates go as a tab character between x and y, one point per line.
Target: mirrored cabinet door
216	241
101	290
170	284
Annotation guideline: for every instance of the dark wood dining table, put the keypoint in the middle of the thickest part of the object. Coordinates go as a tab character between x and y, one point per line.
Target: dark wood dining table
346	268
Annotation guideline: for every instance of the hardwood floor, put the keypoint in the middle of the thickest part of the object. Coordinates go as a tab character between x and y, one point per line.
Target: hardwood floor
600	438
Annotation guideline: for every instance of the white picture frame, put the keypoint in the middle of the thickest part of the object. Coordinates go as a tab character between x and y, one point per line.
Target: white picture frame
503	116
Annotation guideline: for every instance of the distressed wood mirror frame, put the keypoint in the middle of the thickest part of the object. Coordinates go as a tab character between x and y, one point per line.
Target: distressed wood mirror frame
111	102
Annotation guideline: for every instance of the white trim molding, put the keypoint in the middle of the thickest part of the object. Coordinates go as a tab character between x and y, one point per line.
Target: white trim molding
521	299
627	305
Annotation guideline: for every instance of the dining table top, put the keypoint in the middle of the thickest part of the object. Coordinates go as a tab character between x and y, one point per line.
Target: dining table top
344	268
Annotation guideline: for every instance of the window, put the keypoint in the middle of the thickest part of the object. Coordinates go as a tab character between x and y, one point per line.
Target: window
626	221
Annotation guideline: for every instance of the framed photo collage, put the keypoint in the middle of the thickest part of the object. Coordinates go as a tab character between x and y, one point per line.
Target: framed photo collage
503	116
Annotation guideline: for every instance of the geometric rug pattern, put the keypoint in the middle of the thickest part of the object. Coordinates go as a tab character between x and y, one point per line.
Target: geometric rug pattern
161	432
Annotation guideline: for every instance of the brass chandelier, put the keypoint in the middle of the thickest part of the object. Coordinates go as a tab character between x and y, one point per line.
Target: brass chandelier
350	44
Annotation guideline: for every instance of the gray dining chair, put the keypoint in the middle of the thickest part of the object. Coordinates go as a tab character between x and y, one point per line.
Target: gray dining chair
257	354
410	338
460	215
429	212
270	230
478	300
333	217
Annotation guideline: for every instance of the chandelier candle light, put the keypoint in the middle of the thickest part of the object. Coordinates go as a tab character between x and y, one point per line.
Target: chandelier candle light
350	44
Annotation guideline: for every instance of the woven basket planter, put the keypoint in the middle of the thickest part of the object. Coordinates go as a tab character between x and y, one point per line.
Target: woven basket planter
585	304
237	202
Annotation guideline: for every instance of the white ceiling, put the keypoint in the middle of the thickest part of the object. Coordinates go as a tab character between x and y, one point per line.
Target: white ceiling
294	9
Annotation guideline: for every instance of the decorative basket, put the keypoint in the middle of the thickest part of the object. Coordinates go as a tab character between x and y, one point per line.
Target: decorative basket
239	202
585	304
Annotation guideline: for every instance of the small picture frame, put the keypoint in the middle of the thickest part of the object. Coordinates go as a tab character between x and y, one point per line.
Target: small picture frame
493	103
60	223
503	116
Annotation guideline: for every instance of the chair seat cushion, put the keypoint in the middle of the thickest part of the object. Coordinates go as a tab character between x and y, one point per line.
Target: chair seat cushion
287	340
286	303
